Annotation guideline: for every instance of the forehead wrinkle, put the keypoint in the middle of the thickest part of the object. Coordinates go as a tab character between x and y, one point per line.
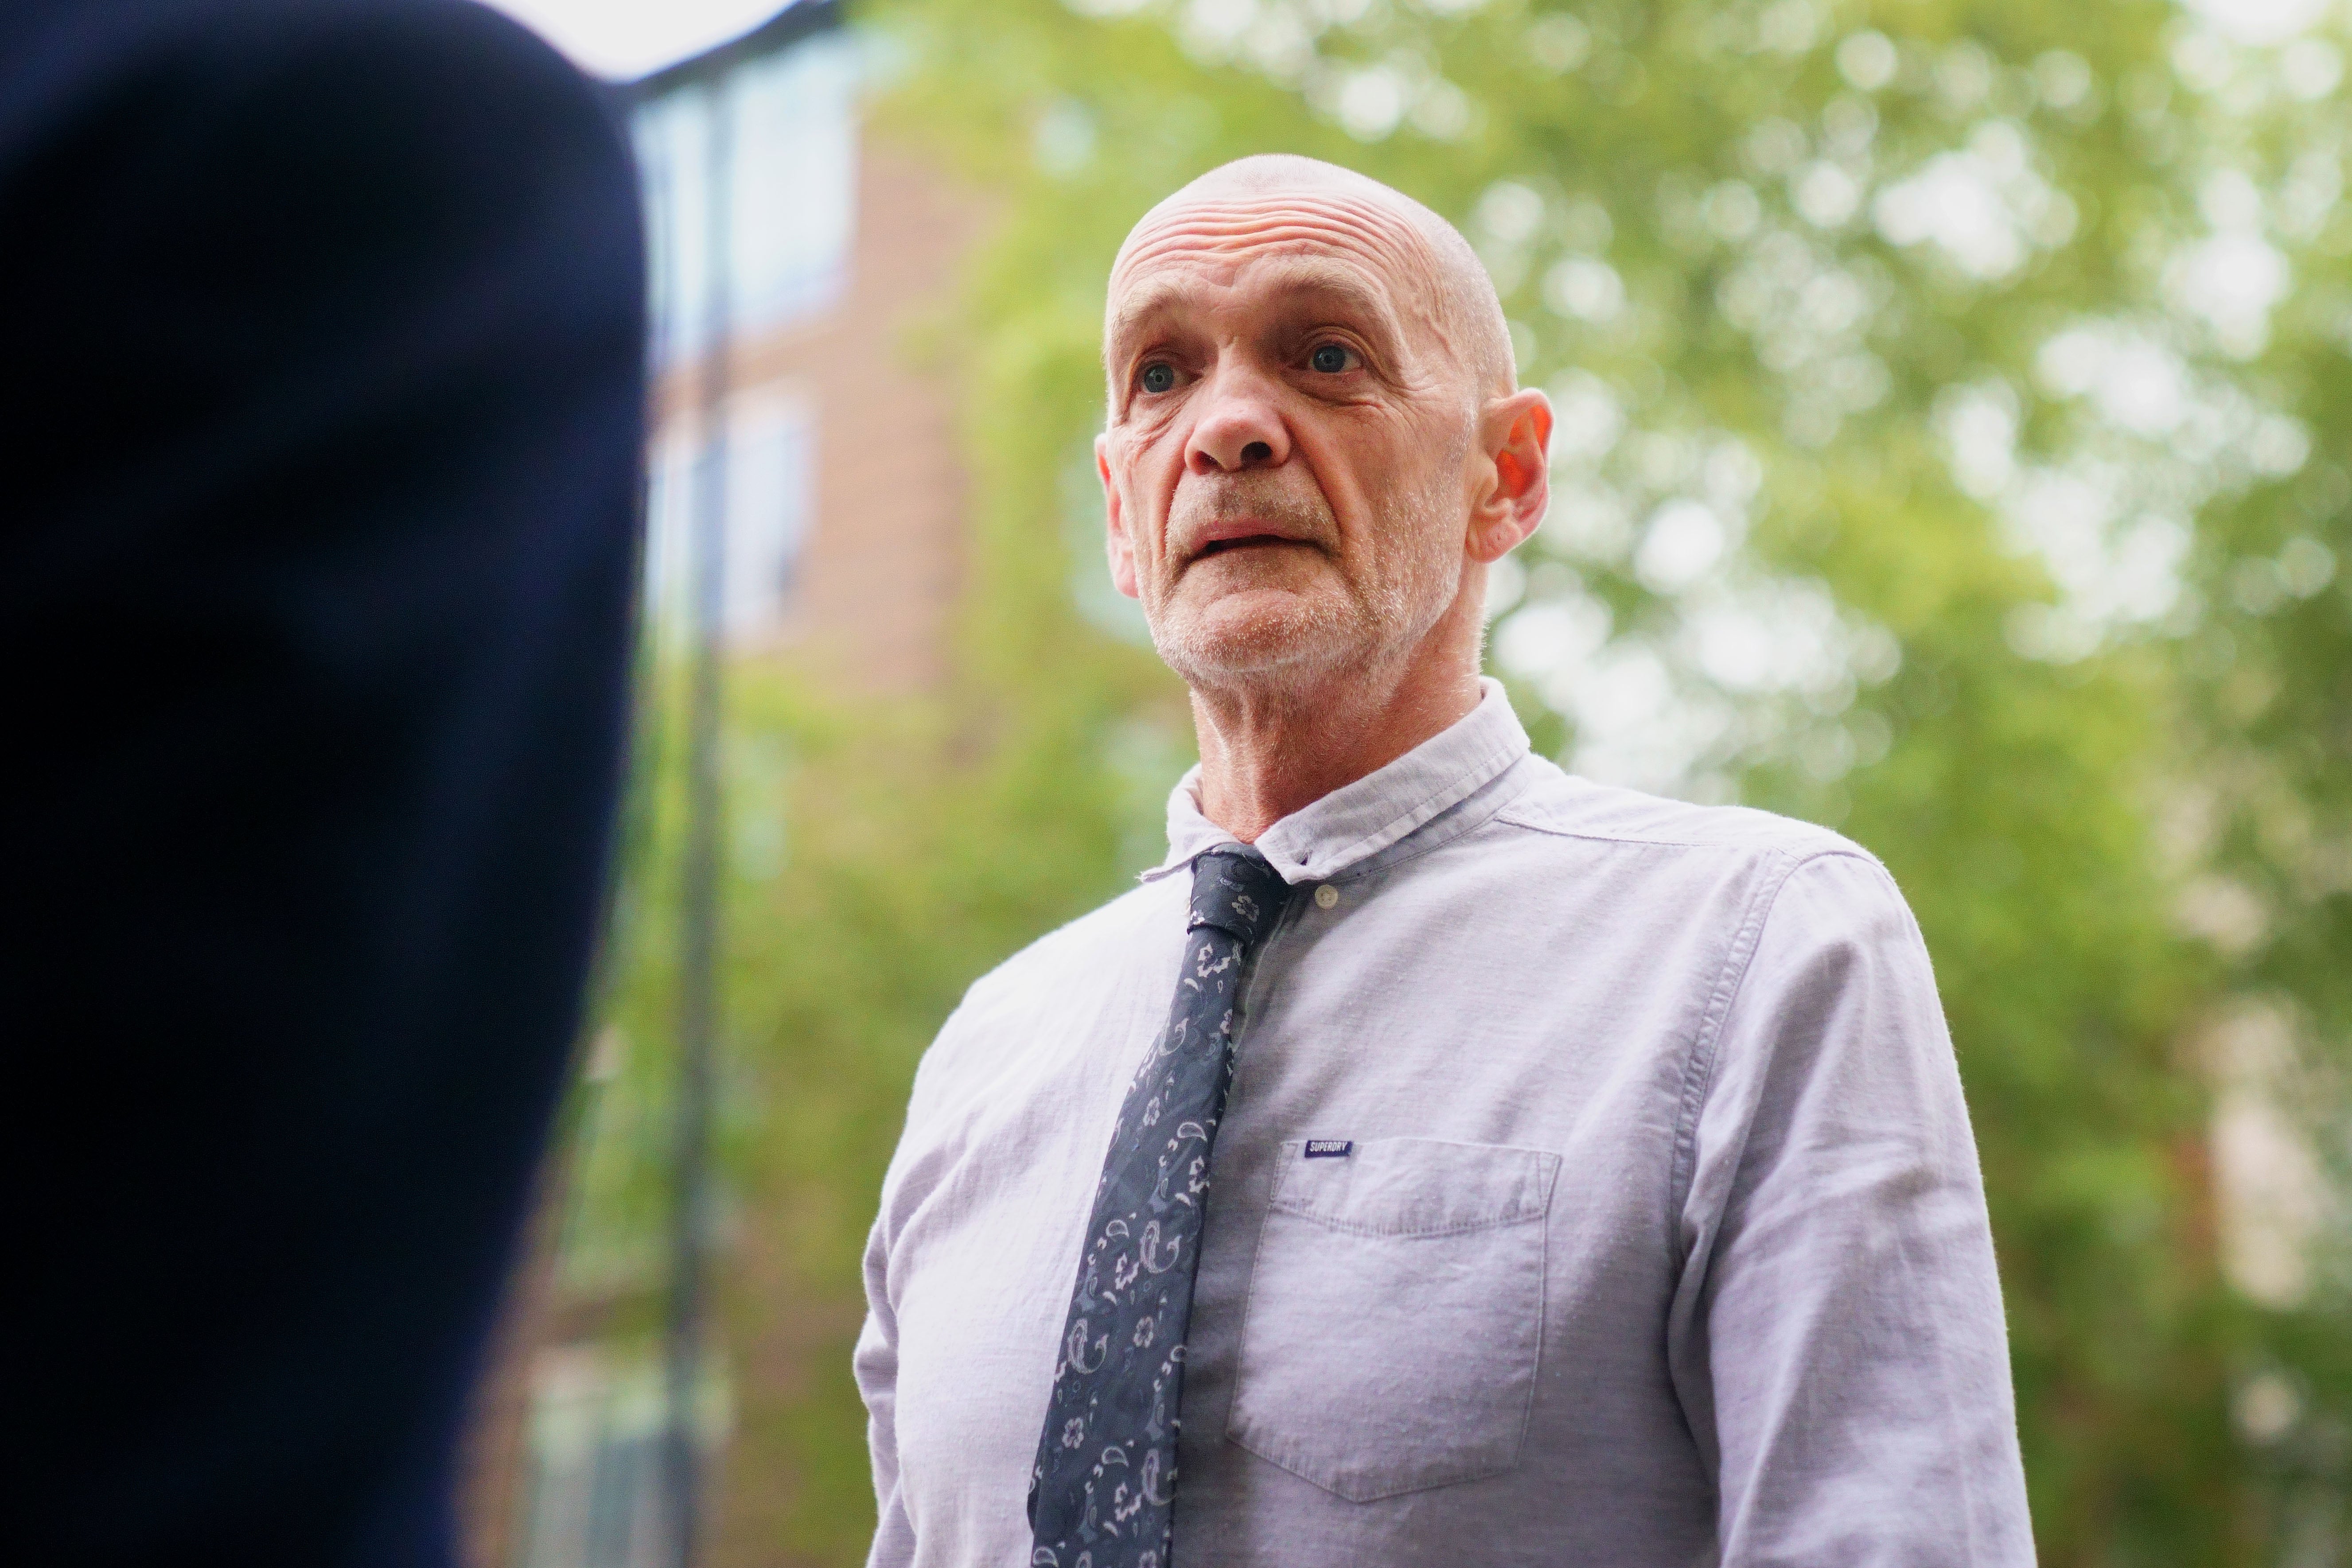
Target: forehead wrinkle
1317	237
1299	272
1301	220
1294	273
1128	315
1427	268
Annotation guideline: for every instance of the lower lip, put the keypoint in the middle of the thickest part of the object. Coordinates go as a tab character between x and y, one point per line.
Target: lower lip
1236	546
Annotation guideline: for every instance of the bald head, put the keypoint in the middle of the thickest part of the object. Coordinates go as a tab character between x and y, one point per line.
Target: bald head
1315	445
1333	206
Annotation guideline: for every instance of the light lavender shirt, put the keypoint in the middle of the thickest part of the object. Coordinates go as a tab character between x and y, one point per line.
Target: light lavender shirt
1660	1239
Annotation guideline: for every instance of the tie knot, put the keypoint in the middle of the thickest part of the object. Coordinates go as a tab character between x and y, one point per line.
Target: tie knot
1235	890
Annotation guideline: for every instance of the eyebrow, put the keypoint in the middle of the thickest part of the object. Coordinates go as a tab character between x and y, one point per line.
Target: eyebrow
1300	279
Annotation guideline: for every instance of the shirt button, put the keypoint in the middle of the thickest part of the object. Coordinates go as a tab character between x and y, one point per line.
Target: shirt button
1327	897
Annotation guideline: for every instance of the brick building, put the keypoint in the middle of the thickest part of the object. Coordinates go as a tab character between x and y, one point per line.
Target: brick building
843	542
842	249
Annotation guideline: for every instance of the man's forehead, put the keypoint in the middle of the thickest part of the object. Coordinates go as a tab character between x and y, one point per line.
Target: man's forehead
1368	224
1293	241
1274	276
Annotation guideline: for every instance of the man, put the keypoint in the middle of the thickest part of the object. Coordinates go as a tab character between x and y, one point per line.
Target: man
1523	1172
322	405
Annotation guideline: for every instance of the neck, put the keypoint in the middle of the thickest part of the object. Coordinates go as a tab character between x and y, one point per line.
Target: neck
1268	750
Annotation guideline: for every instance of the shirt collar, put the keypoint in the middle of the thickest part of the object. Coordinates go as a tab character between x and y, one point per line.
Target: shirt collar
1351	824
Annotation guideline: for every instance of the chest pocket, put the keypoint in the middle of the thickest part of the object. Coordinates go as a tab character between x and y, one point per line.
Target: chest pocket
1395	1315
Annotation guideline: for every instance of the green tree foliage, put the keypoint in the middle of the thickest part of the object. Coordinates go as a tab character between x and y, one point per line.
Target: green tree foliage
1955	447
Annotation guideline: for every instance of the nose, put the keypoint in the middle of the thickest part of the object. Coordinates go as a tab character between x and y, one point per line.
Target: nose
1239	427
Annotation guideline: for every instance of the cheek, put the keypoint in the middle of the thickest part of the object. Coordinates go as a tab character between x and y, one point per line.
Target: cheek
1431	474
1144	450
1375	471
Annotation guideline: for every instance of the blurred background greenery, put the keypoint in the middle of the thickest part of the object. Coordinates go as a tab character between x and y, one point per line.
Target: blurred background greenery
1955	448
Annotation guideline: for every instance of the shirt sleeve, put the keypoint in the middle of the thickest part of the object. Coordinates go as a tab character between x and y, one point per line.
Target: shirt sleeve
1837	1337
876	1366
875	1363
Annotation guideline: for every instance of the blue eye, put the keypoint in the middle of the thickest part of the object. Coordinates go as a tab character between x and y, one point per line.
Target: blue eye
1329	358
1158	377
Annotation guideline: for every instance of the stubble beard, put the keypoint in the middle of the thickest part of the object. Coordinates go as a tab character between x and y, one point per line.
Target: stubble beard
1343	623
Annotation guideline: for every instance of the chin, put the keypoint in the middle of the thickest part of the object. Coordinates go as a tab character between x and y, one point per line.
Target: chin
1268	638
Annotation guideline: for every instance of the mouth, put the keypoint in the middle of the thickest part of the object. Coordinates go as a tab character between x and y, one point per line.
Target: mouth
1242	541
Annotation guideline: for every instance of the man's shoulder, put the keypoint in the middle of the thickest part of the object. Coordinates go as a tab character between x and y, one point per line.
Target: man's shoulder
1000	1018
1664	865
1081	950
1567	808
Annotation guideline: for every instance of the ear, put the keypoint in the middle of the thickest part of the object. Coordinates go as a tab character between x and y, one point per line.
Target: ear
1515	435
1119	545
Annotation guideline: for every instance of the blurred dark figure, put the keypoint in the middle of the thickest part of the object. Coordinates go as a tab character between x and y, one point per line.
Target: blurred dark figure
320	397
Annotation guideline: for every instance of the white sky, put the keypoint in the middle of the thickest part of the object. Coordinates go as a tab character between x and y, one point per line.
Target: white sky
625	38
2261	21
629	37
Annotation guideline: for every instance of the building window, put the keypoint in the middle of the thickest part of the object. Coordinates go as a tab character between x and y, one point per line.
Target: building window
598	1496
790	174
596	1492
769	459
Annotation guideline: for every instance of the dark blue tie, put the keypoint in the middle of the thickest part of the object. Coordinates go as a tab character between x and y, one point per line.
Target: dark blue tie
1102	1491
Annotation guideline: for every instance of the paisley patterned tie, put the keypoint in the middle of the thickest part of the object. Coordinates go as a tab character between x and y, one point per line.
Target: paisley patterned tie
1101	1493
